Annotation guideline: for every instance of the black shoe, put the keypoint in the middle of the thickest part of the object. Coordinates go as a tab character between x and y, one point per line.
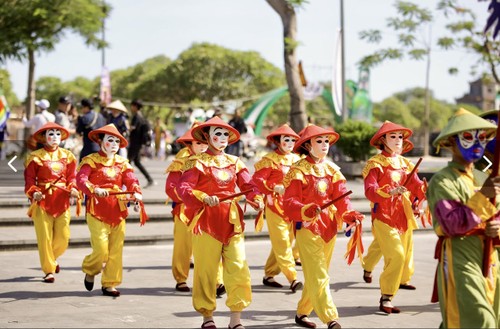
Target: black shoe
110	293
296	285
298	262
269	283
334	325
367	276
89	285
49	278
58	268
304	322
407	287
221	290
191	265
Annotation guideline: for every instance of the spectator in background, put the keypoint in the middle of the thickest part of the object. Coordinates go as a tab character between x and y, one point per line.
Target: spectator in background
239	124
62	119
159	137
139	132
88	121
3	133
118	117
41	117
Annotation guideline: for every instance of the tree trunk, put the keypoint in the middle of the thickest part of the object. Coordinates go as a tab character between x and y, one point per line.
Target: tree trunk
298	117
30	100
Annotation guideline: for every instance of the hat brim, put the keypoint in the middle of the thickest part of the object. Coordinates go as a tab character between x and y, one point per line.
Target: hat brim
39	135
94	136
198	131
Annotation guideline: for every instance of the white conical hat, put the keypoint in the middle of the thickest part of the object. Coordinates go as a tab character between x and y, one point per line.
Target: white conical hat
117	105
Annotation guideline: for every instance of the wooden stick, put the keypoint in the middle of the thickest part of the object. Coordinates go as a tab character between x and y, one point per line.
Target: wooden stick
412	172
120	192
328	204
232	196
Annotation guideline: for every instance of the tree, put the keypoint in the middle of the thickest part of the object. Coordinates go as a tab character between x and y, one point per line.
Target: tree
6	88
411	19
33	26
286	10
208	73
467	33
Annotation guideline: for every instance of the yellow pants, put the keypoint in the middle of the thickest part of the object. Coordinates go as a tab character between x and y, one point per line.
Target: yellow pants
374	254
281	257
107	248
52	236
182	252
397	250
316	255
207	253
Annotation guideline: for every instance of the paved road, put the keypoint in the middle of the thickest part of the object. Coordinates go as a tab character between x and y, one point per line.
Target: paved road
149	301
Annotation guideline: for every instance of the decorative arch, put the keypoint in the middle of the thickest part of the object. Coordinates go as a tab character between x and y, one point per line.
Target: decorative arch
257	113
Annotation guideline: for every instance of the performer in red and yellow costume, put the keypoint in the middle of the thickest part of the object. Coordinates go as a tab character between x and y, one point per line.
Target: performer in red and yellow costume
391	192
310	185
217	223
183	246
49	184
269	174
101	176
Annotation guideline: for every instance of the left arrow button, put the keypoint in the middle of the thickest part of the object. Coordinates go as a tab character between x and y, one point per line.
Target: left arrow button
10	163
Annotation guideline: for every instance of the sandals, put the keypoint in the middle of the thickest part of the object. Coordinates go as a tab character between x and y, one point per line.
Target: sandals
296	285
387	309
238	326
367	276
304	321
182	287
210	324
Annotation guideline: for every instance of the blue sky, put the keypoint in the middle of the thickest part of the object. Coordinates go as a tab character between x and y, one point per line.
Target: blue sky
138	30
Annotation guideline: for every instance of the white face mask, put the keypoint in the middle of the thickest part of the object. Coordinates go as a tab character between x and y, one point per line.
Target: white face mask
320	146
110	145
219	137
53	137
198	147
394	140
287	143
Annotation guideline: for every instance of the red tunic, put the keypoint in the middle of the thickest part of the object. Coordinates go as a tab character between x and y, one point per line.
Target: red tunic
96	170
174	172
383	173
45	166
269	172
207	174
309	184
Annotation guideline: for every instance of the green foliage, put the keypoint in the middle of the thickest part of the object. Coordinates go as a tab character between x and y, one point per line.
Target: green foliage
410	19
209	73
395	110
355	138
6	88
38	25
466	32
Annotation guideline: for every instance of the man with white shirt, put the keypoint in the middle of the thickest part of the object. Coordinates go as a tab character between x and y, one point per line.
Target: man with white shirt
41	117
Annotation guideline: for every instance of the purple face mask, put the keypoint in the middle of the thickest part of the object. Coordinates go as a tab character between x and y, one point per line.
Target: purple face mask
471	144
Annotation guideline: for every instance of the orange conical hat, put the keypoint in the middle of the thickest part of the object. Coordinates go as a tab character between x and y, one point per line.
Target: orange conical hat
283	130
314	131
110	130
388	127
197	131
39	135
